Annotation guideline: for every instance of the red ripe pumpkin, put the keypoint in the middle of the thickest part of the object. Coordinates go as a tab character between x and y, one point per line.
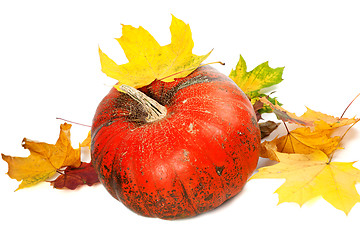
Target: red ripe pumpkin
194	158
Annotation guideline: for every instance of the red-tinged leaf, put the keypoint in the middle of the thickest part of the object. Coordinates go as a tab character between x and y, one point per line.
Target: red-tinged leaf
257	106
74	177
286	116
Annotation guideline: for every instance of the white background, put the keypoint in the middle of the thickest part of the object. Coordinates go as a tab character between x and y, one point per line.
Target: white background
49	67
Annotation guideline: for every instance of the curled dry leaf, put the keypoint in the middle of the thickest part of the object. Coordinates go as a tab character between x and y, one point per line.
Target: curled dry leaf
300	140
44	159
72	177
87	141
284	115
266	128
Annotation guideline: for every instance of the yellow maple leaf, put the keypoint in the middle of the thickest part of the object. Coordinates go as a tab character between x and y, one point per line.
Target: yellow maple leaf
326	122
311	175
300	140
148	60
303	155
44	159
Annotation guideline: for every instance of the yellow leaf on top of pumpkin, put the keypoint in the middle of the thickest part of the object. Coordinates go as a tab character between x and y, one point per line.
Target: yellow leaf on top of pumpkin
148	61
44	159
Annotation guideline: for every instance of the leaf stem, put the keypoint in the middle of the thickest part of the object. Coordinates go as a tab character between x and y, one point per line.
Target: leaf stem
349	105
342	137
73	122
289	137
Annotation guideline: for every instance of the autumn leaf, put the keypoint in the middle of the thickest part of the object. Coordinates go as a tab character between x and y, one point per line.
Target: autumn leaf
148	60
316	135
72	177
266	128
255	82
310	118
305	160
260	77
300	140
324	122
311	175
87	141
44	159
284	115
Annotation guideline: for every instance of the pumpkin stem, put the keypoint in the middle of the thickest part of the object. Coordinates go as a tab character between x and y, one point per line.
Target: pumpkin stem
155	111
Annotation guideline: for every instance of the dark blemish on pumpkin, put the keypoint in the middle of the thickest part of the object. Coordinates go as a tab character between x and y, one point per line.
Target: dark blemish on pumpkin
202	209
186	197
219	170
209	197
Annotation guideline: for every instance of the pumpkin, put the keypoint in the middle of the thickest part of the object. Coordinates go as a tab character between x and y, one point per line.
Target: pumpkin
184	149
